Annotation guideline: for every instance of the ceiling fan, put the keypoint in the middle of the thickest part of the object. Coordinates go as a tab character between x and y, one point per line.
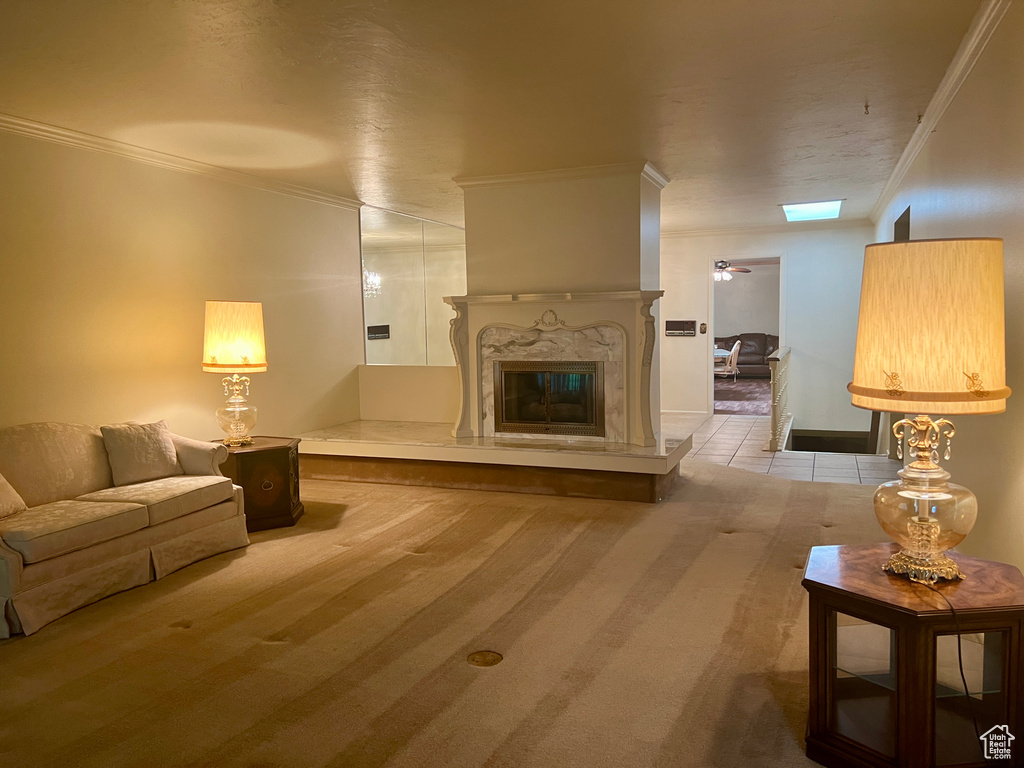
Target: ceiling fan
724	270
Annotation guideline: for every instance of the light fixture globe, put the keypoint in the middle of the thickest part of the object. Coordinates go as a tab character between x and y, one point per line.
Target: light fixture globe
724	269
930	340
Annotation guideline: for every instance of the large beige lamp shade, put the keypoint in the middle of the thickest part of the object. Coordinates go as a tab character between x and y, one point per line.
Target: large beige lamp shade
930	334
930	340
234	343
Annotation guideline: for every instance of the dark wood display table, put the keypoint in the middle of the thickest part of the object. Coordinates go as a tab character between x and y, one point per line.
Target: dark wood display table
268	471
885	684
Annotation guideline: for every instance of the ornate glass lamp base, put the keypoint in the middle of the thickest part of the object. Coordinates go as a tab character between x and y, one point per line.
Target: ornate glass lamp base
924	571
236	417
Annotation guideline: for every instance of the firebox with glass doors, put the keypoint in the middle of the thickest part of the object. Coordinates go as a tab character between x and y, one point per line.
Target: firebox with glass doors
554	398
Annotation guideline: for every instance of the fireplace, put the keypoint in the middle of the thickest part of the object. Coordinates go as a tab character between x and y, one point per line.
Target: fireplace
547	397
613	332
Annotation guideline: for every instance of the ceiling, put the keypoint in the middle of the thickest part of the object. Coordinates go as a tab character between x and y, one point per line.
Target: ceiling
743	105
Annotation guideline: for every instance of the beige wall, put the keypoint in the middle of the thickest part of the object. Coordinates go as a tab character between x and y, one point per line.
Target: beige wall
106	263
749	303
650	235
820	278
968	181
685	370
409	393
556	235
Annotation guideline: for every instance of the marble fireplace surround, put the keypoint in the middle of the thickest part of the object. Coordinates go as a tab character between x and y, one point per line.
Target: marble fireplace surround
614	327
551	341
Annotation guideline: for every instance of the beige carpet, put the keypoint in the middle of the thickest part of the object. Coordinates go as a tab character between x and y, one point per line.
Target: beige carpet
633	635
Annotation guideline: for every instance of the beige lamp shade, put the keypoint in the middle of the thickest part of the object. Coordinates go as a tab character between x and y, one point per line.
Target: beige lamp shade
930	336
233	342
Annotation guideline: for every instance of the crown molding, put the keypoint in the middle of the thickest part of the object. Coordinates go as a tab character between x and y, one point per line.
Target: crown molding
983	26
774	229
655	176
68	137
644	169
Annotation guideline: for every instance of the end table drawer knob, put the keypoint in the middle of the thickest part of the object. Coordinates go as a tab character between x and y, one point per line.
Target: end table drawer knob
267	485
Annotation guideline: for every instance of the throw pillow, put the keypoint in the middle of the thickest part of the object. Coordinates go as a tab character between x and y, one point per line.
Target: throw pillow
140	452
10	499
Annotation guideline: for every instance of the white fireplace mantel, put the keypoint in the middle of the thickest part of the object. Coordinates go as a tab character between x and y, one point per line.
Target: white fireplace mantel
557	313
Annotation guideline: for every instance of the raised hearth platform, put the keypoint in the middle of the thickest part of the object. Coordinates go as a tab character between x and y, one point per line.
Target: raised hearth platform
416	453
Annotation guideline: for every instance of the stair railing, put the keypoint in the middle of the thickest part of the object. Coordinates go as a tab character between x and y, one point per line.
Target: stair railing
782	419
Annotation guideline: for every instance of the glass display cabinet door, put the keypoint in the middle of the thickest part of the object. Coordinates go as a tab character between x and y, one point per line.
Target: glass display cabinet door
863	701
958	715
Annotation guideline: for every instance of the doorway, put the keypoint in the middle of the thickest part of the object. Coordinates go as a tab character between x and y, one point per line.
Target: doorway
746	312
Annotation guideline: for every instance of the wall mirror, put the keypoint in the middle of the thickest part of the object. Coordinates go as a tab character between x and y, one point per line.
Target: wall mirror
409	265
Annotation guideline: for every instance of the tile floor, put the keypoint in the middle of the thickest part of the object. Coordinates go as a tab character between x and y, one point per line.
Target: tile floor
738	441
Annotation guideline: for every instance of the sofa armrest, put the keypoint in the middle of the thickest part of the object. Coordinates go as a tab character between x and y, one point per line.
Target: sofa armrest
11	566
199	458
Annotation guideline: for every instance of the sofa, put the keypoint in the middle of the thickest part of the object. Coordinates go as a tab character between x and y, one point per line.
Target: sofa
87	511
755	349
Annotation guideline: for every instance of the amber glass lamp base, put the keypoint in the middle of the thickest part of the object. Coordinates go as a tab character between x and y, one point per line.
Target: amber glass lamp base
922	512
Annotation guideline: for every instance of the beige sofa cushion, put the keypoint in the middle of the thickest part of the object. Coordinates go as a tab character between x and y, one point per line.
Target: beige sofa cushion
49	462
65	565
140	452
49	530
10	501
170	497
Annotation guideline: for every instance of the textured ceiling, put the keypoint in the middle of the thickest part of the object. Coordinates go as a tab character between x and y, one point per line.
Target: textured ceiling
744	105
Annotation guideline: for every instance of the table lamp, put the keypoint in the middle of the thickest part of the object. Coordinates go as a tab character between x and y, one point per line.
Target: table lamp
234	343
929	341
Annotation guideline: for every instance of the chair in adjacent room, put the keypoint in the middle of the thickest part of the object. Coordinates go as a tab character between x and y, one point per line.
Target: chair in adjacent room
729	365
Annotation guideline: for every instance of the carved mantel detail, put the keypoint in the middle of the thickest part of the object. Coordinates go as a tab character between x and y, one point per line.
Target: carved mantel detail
548	320
458	335
649	334
647	299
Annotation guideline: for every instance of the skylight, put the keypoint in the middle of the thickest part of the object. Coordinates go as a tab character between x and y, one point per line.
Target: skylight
829	209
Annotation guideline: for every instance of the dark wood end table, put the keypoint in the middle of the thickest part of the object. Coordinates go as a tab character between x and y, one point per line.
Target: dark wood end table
268	471
885	684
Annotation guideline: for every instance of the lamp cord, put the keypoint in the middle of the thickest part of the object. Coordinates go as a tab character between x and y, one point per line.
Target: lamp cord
960	659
